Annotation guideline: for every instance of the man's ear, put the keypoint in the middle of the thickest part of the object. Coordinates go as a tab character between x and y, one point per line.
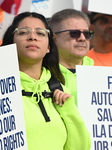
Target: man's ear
54	37
91	27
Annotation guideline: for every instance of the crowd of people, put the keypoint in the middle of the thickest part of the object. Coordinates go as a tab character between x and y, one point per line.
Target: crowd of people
53	49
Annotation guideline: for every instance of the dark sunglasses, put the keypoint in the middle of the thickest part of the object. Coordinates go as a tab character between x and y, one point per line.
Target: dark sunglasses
77	33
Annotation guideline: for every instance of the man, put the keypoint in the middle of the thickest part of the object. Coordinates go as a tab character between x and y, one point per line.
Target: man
72	37
101	52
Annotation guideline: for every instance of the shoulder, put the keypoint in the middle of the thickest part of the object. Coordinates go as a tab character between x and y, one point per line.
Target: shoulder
65	89
88	61
91	52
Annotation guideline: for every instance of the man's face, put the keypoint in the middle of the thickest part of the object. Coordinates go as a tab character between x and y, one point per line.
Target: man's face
102	27
68	46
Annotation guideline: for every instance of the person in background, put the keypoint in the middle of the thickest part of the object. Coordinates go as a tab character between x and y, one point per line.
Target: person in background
101	51
1	19
48	126
72	37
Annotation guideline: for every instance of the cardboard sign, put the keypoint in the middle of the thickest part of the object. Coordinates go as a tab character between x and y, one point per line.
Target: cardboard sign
12	128
100	6
94	86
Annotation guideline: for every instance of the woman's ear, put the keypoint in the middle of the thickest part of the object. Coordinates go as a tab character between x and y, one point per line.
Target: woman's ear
48	49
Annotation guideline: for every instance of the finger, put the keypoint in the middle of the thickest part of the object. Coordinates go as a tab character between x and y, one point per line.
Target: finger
63	97
54	99
58	94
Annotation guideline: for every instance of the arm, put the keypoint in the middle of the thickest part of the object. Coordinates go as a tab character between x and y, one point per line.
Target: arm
78	135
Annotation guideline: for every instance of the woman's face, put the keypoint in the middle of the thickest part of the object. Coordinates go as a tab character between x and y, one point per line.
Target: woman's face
32	40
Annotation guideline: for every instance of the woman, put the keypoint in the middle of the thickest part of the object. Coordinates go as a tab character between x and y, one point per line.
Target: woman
55	128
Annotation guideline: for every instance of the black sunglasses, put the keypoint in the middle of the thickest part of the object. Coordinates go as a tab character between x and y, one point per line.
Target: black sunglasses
76	33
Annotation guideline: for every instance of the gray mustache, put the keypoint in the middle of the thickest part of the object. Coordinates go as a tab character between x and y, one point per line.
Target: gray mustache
81	44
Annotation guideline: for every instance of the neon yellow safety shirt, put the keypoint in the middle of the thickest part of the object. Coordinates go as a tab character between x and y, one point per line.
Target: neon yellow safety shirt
70	77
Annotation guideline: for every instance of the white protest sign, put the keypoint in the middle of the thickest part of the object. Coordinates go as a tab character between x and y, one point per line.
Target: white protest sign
49	7
101	6
12	128
77	4
94	87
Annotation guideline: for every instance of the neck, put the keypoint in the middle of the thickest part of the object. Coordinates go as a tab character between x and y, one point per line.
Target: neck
34	71
102	46
71	64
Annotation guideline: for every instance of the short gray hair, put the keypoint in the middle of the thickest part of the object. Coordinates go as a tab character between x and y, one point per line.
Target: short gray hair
58	17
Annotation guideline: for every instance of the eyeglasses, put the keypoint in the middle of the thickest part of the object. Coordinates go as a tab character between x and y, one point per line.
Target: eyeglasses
25	32
77	33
